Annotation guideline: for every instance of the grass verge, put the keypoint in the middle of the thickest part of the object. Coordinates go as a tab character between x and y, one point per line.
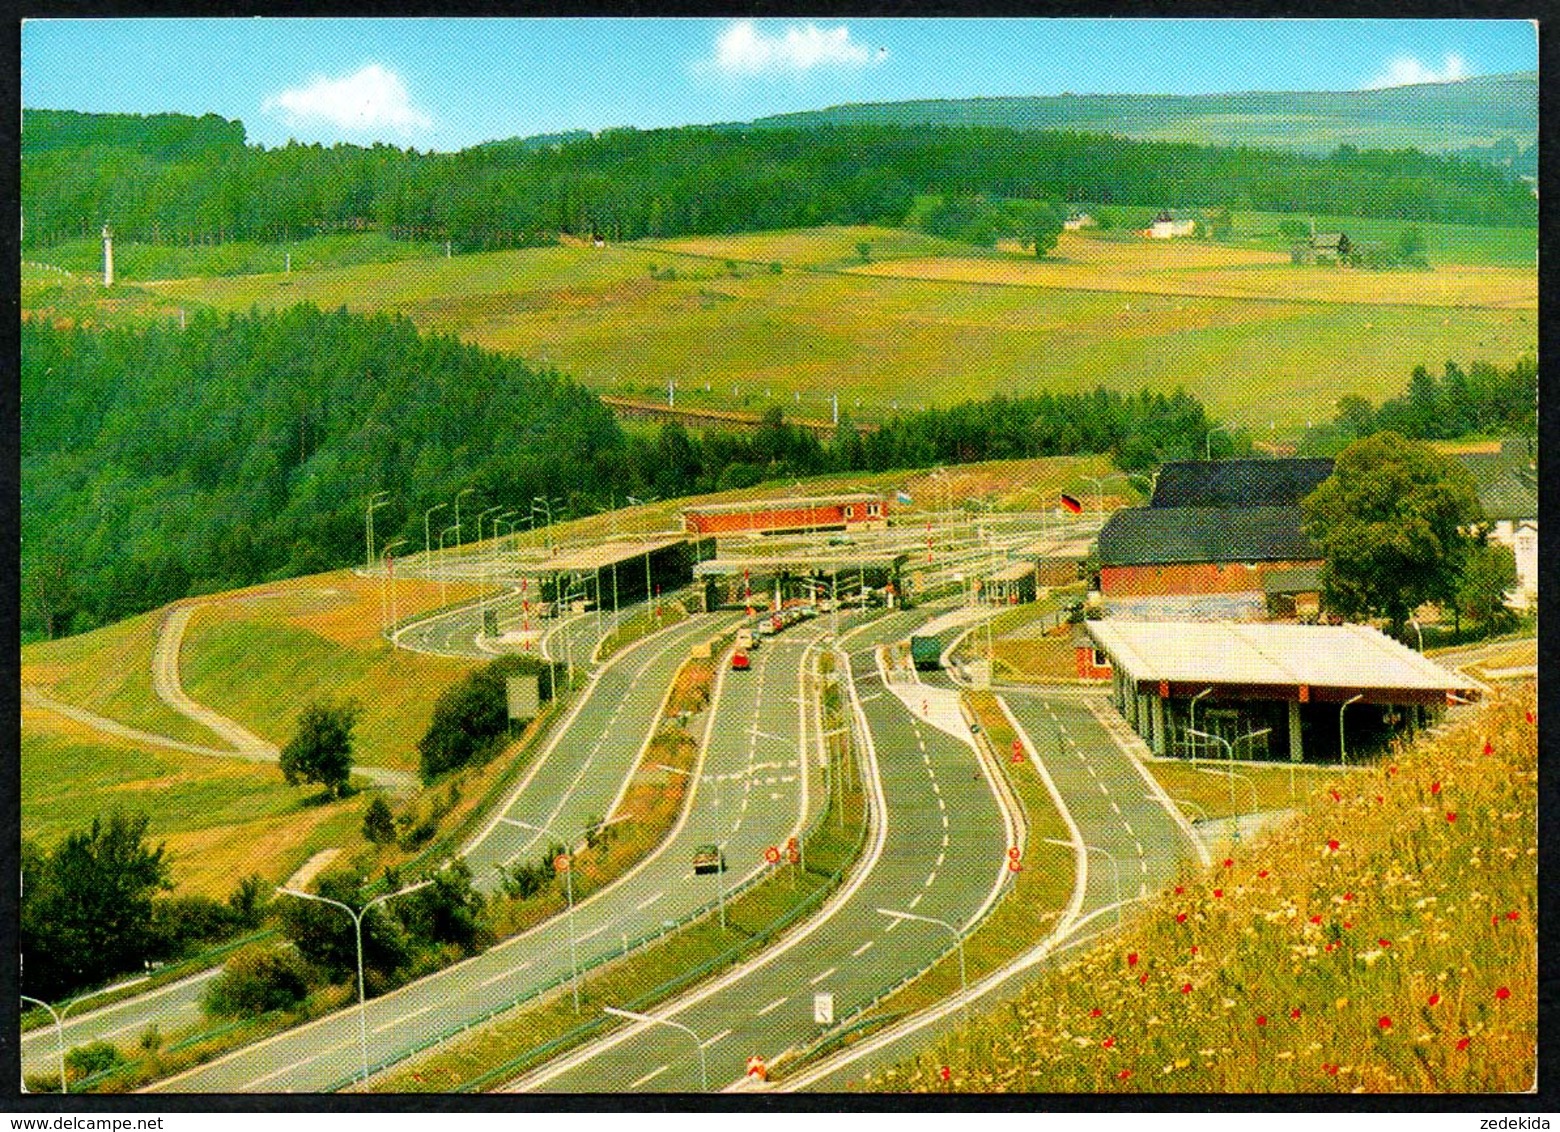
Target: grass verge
1206	791
1384	941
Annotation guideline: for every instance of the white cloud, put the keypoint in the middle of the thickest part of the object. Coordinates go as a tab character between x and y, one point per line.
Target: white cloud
371	100
1405	70
742	49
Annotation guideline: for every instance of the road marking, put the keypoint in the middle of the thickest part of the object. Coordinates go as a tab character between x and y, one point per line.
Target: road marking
745	801
1062	727
862	948
892	924
1139	846
772	1005
1115	809
707	1042
940	858
930	879
296	1064
1092	773
927	759
935	788
816	979
1126	825
916	899
788	778
775	795
498	977
945	821
594	931
402	1018
1143	866
940	805
945	839
1103	788
650	1076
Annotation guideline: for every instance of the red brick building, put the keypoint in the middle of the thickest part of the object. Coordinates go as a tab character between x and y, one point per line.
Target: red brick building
858	512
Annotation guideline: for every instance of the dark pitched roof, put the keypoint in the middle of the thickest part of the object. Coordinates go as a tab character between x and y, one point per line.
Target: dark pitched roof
1148	536
1295	580
1238	483
1507	481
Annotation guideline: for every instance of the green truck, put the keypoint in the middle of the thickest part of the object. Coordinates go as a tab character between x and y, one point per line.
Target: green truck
926	651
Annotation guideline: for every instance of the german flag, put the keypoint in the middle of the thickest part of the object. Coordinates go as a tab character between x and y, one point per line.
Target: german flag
1072	505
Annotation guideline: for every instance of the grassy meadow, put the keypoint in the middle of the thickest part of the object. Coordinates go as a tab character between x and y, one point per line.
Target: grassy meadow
930	323
1385	941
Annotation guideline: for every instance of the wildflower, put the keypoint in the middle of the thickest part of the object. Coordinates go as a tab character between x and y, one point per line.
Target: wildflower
1262	1019
1095	1013
1335	796
1503	993
1194	949
1348	896
1229	862
1316	919
1384	1022
1528	715
1180	889
1329	1069
1132	958
1332	845
1512	915
1392	769
1489	748
1379	799
1451	816
1262	873
1109	1042
1347	925
1435	788
1124	1074
1384	943
1462	1043
1295	1014
1186	988
1217	893
1143	979
944	1073
1435	999
1180	917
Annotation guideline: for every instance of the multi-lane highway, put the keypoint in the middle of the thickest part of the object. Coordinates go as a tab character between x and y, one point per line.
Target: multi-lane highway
1133	847
939	851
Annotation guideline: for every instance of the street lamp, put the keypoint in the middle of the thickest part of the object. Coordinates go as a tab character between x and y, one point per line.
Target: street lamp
958	938
704	1074
59	1016
1229	749
458	494
377	500
1099	493
574	957
427	540
1115	869
1343	753
357	923
1193	728
1208	440
389	580
444	574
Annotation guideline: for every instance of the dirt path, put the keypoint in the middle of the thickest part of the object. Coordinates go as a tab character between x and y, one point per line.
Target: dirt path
312	868
111	727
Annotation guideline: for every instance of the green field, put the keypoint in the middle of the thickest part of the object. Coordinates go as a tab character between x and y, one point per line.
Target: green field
1444	243
221	819
755	338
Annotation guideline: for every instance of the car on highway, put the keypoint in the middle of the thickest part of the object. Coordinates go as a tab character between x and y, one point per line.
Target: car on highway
745	638
740	661
708	859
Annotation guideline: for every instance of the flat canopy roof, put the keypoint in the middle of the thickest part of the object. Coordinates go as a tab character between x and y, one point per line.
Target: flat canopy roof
1273	655
604	554
784	503
800	564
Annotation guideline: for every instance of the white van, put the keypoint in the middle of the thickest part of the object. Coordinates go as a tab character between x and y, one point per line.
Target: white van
744	638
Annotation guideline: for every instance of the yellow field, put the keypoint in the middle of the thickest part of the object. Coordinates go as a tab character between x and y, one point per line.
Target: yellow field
1239	328
1196	268
809	247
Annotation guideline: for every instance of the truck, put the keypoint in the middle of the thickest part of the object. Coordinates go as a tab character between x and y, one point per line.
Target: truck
926	650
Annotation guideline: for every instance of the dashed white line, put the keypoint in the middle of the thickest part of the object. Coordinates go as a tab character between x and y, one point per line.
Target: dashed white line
650	1076
1115	809
945	821
864	947
1138	845
649	900
1126	825
940	858
594	931
935	788
940	804
818	978
1103	788
772	1005
916	899
929	880
1092	773
402	1018
707	1042
945	839
1143	866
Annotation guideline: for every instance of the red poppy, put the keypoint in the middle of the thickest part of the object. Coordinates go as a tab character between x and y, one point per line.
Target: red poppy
1348	896
1329	947
1143	979
1528	715
1462	1043
1295	1014
1132	959
1435	788
1332	845
1384	1022
1384	943
1451	816
1262	1019
1095	1013
1180	917
1194	949
1347	924
1489	749
1229	862
943	1072
1124	1074
1435	999
1217	893
1316	919
1502	993
1330	1070
1494	920
1108	1042
1186	988
1392	770
1179	889
1334	793
1512	915
1379	799
1262	873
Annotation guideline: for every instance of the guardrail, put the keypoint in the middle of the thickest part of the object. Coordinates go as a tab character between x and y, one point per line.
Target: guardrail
756	941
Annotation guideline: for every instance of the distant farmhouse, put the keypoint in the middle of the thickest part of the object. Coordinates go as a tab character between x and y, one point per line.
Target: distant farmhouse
1078	220
1506	476
1219	540
1169	225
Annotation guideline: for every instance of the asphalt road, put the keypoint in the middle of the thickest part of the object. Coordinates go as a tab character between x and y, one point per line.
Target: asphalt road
943	851
1115	811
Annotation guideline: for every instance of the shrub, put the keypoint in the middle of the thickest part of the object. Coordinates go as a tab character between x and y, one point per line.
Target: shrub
257	980
92	1058
378	825
179	922
472	716
249	900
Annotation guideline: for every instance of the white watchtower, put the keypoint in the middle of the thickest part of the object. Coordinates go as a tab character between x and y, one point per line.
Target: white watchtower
108	256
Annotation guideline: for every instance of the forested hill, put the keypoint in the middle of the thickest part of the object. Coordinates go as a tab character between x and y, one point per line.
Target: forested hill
1467	116
628	183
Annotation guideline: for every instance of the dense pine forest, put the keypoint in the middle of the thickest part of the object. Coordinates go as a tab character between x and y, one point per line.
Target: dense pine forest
173	179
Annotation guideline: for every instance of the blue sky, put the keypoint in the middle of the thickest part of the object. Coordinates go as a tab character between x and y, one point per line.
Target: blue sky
448	83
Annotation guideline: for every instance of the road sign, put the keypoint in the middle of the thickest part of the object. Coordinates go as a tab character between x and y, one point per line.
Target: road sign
823	1009
772	855
561	863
